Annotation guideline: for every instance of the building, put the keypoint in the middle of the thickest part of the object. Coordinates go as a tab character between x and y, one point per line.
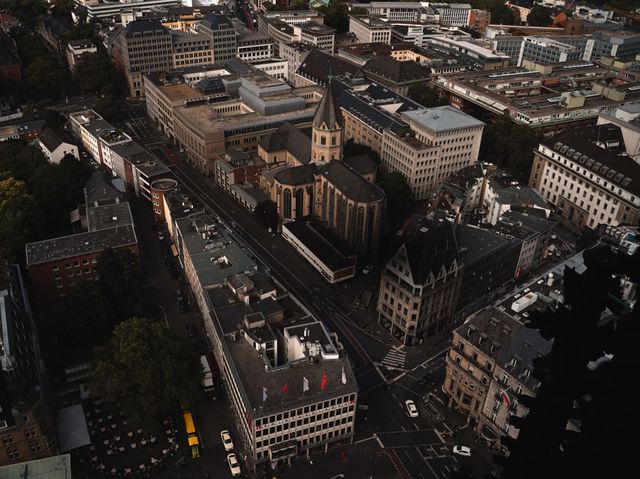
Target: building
252	46
52	31
327	127
333	259
399	76
317	35
26	422
56	264
289	145
452	14
588	177
10	65
625	117
223	36
438	142
76	49
144	46
369	29
420	284
318	66
479	20
190	49
238	173
294	54
413	12
274	67
290	384
160	189
502	192
581	91
479	56
56	467
106	9
55	145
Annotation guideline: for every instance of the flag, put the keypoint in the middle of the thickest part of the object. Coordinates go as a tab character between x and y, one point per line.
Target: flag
305	384
285	388
344	376
323	381
507	398
264	394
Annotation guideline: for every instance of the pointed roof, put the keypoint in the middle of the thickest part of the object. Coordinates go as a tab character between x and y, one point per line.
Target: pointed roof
327	111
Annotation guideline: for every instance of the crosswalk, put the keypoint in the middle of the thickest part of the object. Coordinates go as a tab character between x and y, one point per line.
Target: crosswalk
394	359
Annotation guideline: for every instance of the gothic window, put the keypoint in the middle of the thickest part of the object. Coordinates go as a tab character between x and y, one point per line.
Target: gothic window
287	204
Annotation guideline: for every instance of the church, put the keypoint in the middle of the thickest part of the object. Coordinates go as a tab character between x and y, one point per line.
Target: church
308	176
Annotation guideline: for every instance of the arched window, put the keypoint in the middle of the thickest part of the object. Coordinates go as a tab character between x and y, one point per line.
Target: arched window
299	203
323	140
286	213
333	141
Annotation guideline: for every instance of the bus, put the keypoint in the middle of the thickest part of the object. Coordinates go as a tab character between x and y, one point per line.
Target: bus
207	378
192	434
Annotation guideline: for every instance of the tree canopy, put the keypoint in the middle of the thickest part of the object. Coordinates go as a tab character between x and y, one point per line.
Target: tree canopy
94	72
24	10
540	16
510	146
146	371
352	148
500	13
425	95
267	213
399	197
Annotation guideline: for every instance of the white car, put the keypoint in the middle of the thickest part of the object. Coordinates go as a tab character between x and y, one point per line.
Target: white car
462	450
367	269
226	440
234	466
411	408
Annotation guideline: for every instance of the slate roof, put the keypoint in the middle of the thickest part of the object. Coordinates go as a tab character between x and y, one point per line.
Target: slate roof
327	112
52	139
141	26
350	183
395	70
289	138
363	164
429	247
319	65
297	175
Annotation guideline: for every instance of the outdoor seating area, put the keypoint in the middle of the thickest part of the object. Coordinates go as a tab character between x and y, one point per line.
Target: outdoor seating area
118	449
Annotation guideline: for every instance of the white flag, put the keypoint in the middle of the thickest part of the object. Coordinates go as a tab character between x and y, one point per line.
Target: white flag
305	384
264	394
344	376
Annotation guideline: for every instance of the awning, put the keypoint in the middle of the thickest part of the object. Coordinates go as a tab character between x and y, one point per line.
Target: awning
72	428
488	433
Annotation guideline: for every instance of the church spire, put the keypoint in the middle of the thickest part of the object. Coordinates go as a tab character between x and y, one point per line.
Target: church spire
327	113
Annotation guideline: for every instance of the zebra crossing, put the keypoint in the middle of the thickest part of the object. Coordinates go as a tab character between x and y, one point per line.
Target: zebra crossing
394	359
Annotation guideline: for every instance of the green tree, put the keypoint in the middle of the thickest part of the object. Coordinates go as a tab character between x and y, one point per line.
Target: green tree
147	372
20	219
540	16
426	96
63	8
123	283
19	159
577	383
94	72
510	146
336	15
54	119
500	13
88	317
267	213
352	148
110	107
24	10
399	197
44	78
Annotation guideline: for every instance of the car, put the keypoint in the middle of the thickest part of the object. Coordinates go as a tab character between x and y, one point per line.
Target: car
367	269
226	440
462	450
234	466
411	408
192	332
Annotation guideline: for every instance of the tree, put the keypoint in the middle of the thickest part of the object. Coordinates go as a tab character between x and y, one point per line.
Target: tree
19	159
146	372
54	119
267	212
540	16
26	11
500	13
510	146
20	219
63	8
336	15
399	197
352	148
88	317
44	78
582	378
426	96
123	284
94	72
110	107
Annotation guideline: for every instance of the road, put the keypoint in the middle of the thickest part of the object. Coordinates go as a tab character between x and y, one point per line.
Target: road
386	408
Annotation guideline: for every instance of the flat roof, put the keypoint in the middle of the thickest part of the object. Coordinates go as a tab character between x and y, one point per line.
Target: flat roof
109	216
442	118
335	254
56	467
216	256
478	243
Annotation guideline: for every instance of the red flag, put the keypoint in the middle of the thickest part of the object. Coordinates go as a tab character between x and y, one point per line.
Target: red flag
285	388
323	381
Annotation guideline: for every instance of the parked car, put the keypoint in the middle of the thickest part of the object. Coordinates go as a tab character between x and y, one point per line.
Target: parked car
226	440
234	466
367	269
192	332
462	450
160	235
412	410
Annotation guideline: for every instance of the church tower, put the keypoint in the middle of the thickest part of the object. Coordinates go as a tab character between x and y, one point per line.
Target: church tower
326	139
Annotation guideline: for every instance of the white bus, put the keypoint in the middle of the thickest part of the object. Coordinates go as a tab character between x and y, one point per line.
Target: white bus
207	378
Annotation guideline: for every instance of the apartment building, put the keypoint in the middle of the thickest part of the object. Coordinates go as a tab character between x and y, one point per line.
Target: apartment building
55	145
369	29
440	141
290	384
27	428
144	46
55	265
222	32
420	284
588	177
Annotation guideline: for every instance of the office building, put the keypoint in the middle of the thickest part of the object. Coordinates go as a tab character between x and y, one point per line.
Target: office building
452	14
369	29
222	32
